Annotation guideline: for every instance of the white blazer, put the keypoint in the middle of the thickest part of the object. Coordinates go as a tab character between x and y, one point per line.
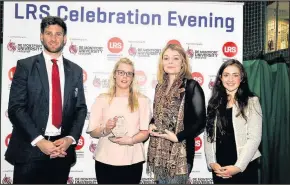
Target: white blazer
248	135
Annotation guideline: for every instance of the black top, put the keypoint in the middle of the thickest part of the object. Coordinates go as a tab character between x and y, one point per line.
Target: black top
226	152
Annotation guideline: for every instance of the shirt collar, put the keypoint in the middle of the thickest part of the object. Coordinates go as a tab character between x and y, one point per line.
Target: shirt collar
48	58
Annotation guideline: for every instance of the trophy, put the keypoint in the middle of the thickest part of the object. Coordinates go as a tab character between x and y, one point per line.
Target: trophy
120	129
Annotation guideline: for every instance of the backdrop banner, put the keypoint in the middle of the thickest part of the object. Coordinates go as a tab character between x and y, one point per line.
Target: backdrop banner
99	33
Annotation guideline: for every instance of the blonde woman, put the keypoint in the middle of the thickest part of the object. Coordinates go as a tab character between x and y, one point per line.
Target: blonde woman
178	117
120	160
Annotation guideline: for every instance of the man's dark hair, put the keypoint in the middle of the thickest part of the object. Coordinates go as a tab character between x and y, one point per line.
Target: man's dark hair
52	20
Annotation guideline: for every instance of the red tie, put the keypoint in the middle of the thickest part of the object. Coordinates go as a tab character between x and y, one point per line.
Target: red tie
56	96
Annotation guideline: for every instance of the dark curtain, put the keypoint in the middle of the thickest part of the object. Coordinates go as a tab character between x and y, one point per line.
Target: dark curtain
271	84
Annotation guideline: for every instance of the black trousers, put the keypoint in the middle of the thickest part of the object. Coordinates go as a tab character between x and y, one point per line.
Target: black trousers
249	176
108	174
49	171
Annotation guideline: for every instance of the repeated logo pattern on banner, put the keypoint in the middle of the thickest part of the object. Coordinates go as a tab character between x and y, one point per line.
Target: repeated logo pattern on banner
99	33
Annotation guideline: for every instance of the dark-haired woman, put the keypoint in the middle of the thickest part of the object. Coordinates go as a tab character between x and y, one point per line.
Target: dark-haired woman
233	127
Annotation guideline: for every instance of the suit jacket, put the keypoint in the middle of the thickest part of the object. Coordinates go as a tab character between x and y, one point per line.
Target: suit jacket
248	135
28	108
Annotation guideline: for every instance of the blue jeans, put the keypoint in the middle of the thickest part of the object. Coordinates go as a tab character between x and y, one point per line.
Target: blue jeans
178	179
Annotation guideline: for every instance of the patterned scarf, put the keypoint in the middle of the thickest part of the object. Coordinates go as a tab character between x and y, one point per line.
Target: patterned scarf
166	158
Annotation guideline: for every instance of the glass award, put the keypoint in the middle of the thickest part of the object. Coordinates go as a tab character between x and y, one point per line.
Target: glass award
120	129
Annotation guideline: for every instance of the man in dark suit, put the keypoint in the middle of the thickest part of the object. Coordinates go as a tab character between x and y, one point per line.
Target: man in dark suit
47	109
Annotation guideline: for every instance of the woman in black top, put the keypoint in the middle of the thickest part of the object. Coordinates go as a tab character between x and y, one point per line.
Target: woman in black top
233	127
178	117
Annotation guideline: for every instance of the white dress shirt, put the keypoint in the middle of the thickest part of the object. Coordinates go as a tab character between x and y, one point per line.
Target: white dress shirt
51	130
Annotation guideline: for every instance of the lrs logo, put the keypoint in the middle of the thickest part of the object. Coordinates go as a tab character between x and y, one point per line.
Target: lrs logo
198	77
198	143
80	143
230	49
174	42
85	76
7	139
11	73
115	45
141	77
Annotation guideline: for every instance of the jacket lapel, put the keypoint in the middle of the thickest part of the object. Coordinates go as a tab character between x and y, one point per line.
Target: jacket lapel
67	81
40	64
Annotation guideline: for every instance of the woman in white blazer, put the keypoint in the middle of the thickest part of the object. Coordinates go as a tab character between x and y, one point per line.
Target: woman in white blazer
233	127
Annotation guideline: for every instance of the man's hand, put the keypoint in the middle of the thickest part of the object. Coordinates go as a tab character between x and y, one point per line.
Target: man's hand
46	146
62	145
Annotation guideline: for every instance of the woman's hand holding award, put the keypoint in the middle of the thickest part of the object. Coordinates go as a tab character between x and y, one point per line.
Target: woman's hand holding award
120	129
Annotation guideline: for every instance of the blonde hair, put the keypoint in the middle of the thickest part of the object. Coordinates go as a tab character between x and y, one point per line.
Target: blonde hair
133	92
185	67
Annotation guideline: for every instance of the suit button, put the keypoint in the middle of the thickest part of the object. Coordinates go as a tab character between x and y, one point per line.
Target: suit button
42	129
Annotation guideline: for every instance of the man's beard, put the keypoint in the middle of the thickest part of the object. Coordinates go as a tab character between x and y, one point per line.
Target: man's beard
57	50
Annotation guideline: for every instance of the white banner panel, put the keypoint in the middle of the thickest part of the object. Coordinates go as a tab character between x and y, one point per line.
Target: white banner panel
101	32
